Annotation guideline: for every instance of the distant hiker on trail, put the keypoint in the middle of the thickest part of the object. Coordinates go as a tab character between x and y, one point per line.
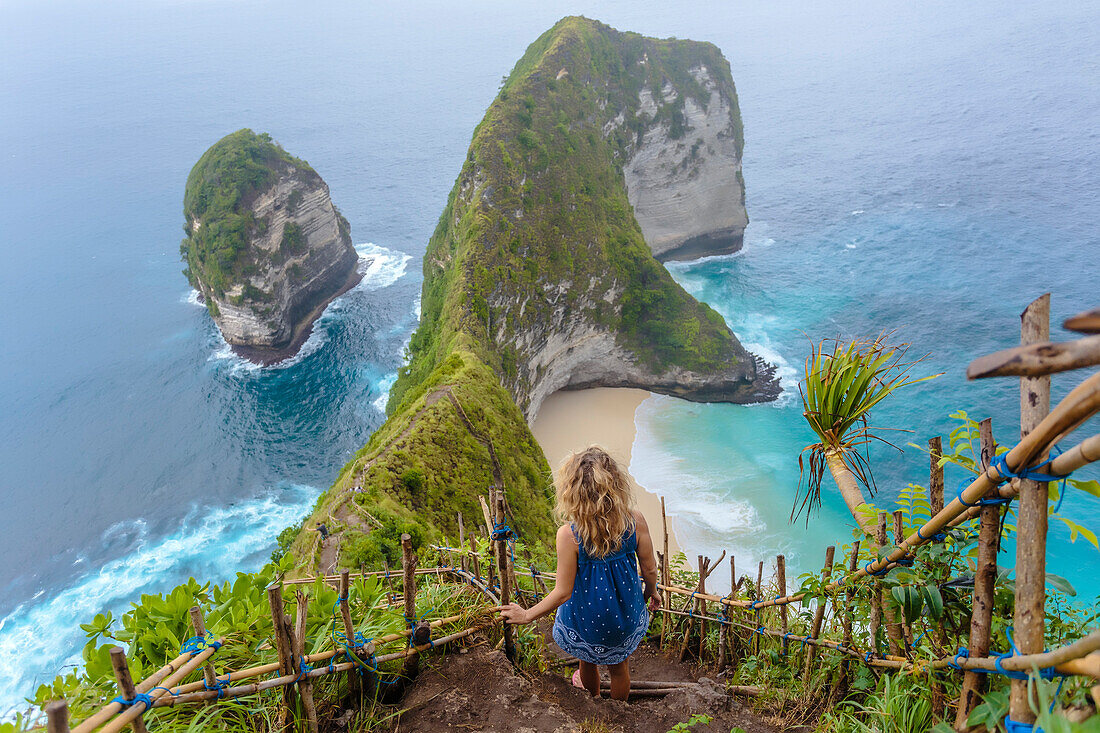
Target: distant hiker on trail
322	529
601	604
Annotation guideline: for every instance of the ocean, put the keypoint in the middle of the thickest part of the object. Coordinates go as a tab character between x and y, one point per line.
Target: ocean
924	167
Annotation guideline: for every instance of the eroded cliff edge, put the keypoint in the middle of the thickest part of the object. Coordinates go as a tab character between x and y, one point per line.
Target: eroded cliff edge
265	245
601	150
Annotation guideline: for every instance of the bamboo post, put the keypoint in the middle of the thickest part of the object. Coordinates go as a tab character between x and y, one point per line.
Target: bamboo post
279	631
503	570
985	577
126	684
461	542
781	582
57	716
759	597
408	589
819	614
661	581
199	625
1031	520
305	687
935	502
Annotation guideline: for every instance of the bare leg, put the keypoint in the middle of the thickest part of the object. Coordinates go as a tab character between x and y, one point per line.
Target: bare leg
620	680
590	678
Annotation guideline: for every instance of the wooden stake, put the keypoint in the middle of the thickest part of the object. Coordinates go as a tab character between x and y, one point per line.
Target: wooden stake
349	631
667	579
281	634
985	577
935	502
723	629
781	582
199	624
759	597
701	607
126	684
819	614
461	541
893	628
504	571
899	537
474	559
305	687
57	716
1031	520
408	588
846	628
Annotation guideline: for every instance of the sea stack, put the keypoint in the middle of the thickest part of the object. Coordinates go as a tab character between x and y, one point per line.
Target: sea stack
265	247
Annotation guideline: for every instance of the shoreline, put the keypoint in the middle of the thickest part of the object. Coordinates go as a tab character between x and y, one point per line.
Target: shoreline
575	419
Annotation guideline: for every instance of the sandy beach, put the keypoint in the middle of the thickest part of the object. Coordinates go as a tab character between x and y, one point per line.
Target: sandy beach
574	420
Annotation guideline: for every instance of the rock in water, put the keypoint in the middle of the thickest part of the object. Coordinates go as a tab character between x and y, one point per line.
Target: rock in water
265	246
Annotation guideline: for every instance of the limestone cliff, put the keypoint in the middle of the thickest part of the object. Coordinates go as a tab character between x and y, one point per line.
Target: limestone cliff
602	149
683	174
266	248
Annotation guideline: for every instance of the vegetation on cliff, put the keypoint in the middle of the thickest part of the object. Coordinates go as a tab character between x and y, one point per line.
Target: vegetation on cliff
538	228
216	204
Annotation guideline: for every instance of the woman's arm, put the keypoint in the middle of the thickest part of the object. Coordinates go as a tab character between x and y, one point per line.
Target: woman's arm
647	565
566	573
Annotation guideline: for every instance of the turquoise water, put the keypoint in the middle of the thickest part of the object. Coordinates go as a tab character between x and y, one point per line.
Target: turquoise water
928	167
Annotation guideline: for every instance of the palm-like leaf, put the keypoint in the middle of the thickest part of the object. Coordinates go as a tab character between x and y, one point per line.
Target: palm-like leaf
843	382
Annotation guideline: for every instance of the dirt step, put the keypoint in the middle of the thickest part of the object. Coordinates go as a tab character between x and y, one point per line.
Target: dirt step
480	691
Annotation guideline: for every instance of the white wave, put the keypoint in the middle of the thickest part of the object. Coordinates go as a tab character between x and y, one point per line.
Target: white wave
192	297
857	212
40	639
381	266
851	245
384	385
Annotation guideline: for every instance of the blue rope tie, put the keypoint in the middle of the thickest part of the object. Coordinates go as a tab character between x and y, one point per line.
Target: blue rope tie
907	561
996	500
197	644
303	670
877	573
867	657
139	697
760	631
938	537
1014	726
962	653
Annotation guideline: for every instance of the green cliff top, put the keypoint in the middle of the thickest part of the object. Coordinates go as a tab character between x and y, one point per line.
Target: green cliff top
220	190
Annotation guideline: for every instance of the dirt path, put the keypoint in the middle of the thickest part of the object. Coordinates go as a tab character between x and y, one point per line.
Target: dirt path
479	691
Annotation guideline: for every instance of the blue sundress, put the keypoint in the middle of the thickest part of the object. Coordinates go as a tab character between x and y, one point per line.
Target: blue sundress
606	617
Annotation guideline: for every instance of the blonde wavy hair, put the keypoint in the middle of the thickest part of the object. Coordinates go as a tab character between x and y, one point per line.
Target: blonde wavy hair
594	494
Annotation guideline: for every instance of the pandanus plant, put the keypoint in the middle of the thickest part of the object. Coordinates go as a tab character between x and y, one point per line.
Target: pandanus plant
843	382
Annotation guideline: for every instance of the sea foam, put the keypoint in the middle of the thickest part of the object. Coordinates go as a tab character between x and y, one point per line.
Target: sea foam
210	544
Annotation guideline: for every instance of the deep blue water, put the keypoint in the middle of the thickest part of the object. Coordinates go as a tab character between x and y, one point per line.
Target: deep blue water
919	166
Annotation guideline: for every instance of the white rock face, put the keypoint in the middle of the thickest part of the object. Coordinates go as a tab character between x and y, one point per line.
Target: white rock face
294	285
687	192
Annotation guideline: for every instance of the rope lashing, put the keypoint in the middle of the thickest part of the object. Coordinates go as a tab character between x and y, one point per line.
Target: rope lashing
139	697
196	644
303	670
1015	726
938	537
219	685
1046	673
995	500
877	573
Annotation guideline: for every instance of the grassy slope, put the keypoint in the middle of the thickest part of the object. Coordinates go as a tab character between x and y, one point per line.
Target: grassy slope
541	202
